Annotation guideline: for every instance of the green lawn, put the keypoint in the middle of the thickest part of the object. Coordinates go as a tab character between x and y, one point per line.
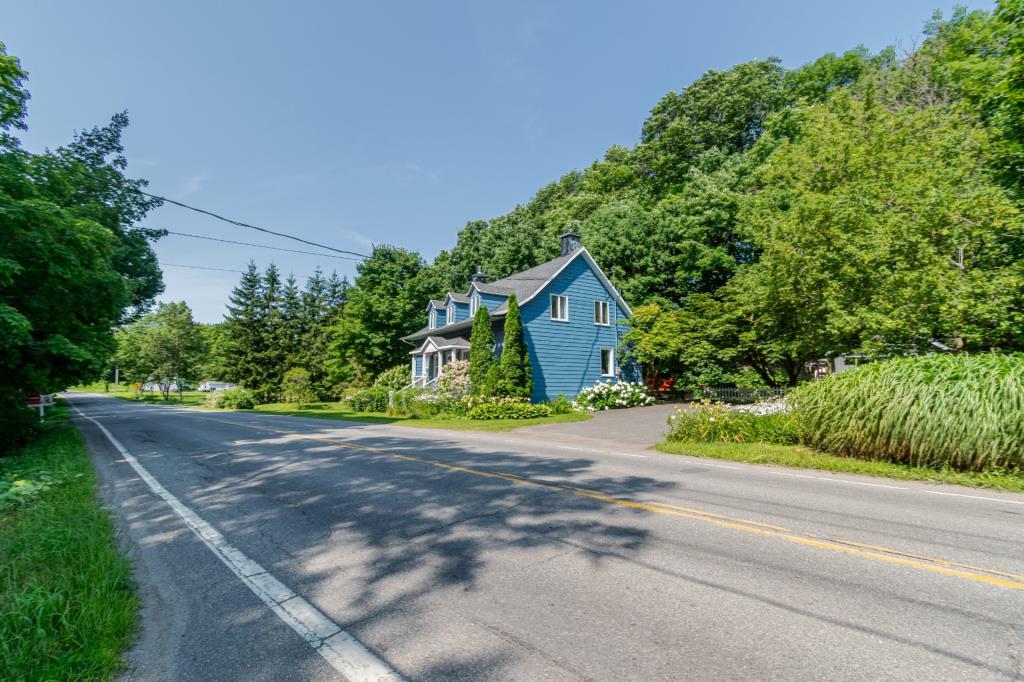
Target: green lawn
188	398
799	456
342	412
67	602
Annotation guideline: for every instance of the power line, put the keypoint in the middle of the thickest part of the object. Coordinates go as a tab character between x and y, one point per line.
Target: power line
261	246
200	267
239	223
203	267
247	225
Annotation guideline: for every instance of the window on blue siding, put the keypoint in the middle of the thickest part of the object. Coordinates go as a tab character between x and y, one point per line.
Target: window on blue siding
451	314
601	312
474	305
433	319
607	362
559	307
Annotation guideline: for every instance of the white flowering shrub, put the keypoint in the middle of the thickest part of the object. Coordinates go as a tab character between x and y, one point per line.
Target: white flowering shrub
605	395
454	380
776	405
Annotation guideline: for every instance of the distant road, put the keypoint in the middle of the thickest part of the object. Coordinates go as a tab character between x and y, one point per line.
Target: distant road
279	548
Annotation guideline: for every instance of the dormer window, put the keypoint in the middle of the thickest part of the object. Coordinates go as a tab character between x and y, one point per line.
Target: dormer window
474	305
433	319
451	314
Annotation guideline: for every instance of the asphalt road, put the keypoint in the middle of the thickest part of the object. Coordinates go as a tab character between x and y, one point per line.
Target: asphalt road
525	557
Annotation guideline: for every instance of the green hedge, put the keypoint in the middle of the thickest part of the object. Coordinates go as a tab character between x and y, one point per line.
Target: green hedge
508	410
370	400
957	410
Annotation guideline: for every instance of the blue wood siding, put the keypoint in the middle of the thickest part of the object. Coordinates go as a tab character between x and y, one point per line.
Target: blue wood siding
418	372
489	301
566	356
461	312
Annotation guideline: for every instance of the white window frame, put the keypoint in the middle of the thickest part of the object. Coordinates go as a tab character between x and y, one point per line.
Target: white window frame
611	361
432	318
600	319
562	306
474	305
450	315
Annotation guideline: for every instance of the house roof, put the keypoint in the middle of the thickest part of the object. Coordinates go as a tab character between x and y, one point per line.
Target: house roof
458	298
439	332
526	285
436	303
441	343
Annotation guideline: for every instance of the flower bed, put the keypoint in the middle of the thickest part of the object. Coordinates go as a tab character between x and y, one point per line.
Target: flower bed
605	395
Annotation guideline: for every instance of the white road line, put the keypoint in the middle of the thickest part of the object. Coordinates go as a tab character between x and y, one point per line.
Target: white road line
973	497
340	649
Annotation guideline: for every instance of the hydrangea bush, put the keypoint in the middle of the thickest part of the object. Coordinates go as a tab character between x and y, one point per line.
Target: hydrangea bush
605	395
454	381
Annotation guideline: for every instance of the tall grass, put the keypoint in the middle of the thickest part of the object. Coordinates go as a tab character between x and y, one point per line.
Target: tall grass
67	603
960	411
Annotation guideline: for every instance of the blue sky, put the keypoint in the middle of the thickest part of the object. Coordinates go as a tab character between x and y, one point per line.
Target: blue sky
358	123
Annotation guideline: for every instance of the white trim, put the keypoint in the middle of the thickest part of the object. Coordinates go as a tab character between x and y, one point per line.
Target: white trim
474	305
449	316
563	307
582	251
432	318
605	319
611	358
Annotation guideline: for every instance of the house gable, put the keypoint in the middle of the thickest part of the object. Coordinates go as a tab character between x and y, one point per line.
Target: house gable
565	356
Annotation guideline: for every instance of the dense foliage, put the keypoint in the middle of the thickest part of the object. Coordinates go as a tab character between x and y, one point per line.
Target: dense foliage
72	266
962	411
271	328
166	348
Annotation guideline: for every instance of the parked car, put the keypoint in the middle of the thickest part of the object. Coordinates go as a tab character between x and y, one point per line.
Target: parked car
208	386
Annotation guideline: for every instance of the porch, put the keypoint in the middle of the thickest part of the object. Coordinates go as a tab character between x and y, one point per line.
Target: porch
429	360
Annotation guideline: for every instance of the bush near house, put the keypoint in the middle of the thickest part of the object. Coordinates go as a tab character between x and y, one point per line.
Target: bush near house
957	410
508	408
373	399
605	395
394	379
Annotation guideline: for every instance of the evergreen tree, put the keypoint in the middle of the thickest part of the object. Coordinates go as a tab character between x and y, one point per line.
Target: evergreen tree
481	351
269	353
516	377
313	346
292	322
243	326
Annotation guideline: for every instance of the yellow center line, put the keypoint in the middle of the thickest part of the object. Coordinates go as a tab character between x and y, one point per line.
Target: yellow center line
865	551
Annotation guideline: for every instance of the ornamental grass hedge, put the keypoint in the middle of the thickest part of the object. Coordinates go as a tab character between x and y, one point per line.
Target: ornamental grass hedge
945	410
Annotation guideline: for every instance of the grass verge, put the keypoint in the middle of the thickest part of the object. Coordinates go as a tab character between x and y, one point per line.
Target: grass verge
806	458
340	411
67	601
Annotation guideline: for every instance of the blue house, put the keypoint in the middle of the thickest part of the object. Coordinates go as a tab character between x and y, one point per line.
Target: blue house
570	313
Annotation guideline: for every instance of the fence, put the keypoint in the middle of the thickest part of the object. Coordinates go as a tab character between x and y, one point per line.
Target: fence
733	394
